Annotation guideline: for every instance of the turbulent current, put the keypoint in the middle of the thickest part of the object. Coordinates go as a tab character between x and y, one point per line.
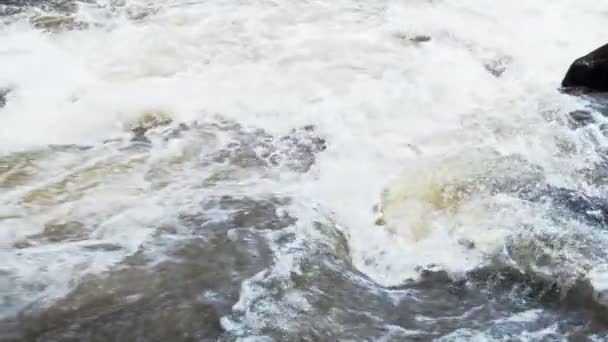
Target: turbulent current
391	170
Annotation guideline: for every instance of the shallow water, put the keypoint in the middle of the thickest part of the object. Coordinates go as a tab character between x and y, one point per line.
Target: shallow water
300	171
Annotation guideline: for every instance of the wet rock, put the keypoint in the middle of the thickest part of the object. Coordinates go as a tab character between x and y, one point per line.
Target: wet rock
590	72
413	39
420	39
64	231
23	244
17	168
146	122
498	66
103	247
466	243
431	276
56	23
3	94
153	119
70	148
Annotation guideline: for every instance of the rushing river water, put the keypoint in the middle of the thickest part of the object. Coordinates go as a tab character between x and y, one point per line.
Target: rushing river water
192	170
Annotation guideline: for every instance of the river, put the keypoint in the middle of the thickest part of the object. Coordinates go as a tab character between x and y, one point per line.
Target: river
309	170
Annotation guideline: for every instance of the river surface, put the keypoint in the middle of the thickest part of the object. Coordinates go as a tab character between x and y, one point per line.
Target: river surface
311	170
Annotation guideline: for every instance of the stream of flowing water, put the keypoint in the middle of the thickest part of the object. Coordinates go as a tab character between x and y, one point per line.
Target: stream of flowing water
391	170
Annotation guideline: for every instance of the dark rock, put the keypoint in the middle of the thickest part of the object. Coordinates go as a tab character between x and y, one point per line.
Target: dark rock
589	72
63	231
420	39
23	244
56	23
3	93
466	243
413	40
106	247
139	135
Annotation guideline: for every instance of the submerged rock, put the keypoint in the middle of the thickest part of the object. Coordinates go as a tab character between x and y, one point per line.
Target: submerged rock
148	121
3	93
589	72
55	23
63	231
296	151
243	212
580	118
413	39
181	298
420	39
230	144
497	66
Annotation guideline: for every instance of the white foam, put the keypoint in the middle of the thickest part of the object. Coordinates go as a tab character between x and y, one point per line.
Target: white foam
382	102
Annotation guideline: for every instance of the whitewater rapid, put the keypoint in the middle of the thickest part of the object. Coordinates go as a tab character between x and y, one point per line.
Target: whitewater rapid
412	99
